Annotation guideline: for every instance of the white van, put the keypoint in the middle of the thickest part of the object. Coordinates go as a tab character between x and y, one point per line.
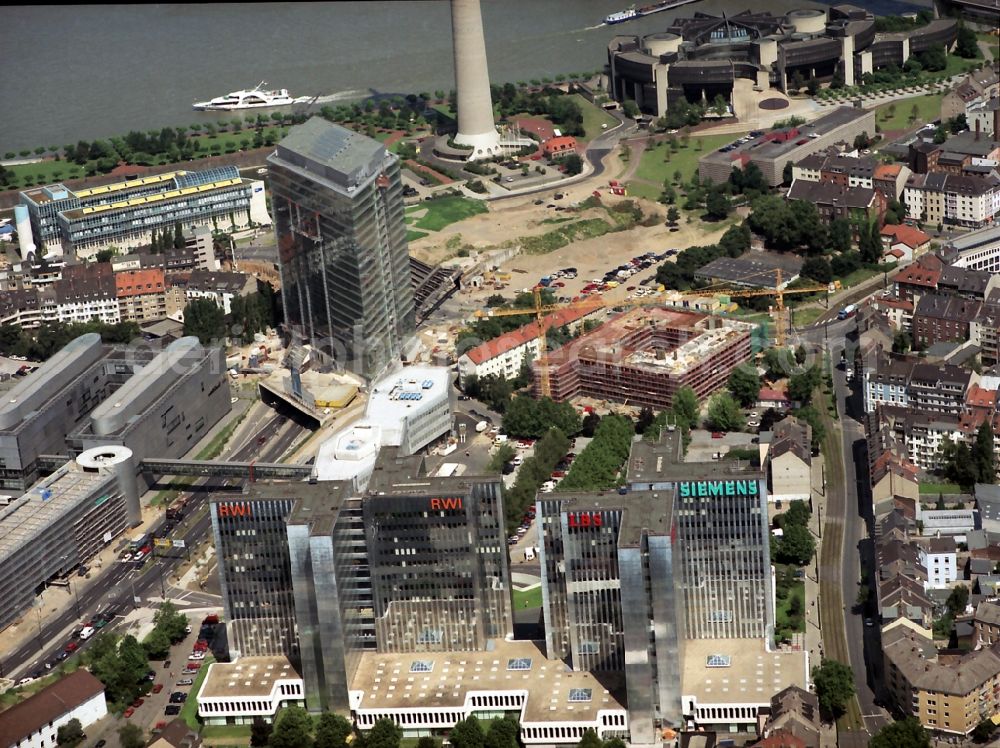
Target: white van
529	554
86	632
500	439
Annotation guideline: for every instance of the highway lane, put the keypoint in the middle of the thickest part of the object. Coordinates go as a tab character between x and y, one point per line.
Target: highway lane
117	584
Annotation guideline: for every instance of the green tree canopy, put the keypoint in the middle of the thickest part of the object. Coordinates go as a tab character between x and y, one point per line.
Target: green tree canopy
590	740
599	464
503	732
204	319
984	457
795	546
130	735
292	729
156	644
529	418
71	733
957	600
744	384
801	386
467	733
906	733
260	732
332	731
173	623
834	686
685	407
724	413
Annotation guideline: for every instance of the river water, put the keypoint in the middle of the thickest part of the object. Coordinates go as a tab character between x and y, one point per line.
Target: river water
92	71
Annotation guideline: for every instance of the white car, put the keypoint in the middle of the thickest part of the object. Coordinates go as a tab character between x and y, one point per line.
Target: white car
196	656
126	558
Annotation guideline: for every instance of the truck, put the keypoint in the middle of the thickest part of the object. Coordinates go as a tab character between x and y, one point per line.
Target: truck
847	312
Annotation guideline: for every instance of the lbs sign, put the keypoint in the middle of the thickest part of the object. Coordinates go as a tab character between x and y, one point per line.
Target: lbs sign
584	519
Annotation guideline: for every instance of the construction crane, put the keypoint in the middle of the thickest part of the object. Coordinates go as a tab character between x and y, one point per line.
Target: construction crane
541	311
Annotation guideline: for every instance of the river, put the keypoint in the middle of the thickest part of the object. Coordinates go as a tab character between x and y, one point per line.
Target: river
94	71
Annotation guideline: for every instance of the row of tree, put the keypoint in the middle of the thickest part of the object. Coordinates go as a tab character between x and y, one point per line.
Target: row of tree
529	418
796	545
52	336
169	628
249	314
967	465
680	274
534	471
599	464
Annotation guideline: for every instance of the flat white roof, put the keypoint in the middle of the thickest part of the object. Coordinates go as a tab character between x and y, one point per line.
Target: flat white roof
393	400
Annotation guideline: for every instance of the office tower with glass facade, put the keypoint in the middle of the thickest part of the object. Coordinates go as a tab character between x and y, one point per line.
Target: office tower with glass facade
338	205
608	596
437	557
724	558
254	569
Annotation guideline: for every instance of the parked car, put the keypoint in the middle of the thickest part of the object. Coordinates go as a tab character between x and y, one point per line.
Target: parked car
138	702
72	647
172	710
178	697
718	434
157	687
129	712
185	682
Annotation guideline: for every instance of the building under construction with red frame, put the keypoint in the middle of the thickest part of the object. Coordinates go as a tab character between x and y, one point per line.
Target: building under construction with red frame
643	356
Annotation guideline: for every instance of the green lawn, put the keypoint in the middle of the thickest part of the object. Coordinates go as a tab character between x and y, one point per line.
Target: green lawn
445	211
859	276
641	189
785	623
528	599
593	117
935	488
189	712
992	41
654	168
802	317
412	236
240	733
928	109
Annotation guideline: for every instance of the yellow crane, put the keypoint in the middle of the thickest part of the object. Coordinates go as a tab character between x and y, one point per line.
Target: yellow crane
541	311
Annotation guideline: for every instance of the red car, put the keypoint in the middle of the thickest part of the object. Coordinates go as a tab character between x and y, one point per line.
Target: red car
157	687
201	645
192	665
718	434
211	619
558	474
129	712
138	702
72	647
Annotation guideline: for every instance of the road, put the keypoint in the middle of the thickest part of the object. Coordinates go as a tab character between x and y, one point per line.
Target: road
117	584
846	542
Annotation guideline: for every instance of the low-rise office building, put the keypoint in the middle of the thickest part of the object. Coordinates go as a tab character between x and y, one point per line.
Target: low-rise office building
124	214
62	522
770	151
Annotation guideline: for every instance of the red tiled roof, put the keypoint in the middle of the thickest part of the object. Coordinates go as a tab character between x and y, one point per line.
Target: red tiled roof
526	333
884	171
977	397
897	253
917	276
768	394
562	143
21	720
139	282
895	303
908	235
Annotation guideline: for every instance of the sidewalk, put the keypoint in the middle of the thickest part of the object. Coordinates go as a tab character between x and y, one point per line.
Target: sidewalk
814	636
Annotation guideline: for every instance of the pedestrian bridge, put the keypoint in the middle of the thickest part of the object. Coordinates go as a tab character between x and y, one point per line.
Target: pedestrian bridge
244	471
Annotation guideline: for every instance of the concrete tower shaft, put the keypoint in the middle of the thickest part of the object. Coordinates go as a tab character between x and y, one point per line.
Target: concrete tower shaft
472	80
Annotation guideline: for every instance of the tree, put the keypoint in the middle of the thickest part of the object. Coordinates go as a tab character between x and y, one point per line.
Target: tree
467	733
504	454
744	384
384	734
529	418
801	386
590	740
717	205
834	686
724	413
178	236
983	457
427	742
673	215
684	407
777	363
503	732
902	342
292	729
204	319
172	622
862	141
796	546
984	731
260	732
818	269
801	354
966	44
631	109
332	731
130	735
907	733
787	174
840	234
71	733
957	600
156	644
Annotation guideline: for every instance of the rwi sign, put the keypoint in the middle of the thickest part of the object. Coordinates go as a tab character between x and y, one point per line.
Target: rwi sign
235	510
450	503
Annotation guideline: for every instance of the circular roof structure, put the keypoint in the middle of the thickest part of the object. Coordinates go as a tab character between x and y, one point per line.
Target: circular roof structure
773	104
105	456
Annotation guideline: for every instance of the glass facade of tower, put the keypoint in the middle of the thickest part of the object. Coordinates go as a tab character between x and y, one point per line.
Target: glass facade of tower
724	559
438	568
338	215
254	570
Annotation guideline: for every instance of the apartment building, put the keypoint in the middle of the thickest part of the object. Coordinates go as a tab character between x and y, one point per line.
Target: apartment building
85	293
938	557
945	693
141	295
987	623
952	198
901	243
939	318
835	201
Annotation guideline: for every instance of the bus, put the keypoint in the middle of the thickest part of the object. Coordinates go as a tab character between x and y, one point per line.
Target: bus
176	510
139	541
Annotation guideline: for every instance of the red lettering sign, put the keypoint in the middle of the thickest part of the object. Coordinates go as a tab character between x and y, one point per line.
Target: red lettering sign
235	510
451	503
584	519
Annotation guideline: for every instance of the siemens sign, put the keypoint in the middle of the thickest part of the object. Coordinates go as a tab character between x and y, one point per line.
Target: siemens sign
702	488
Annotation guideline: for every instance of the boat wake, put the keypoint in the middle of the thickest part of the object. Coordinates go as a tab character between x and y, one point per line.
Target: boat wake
352	93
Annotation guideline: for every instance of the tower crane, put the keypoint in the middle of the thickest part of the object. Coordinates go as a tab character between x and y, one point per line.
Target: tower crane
541	311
